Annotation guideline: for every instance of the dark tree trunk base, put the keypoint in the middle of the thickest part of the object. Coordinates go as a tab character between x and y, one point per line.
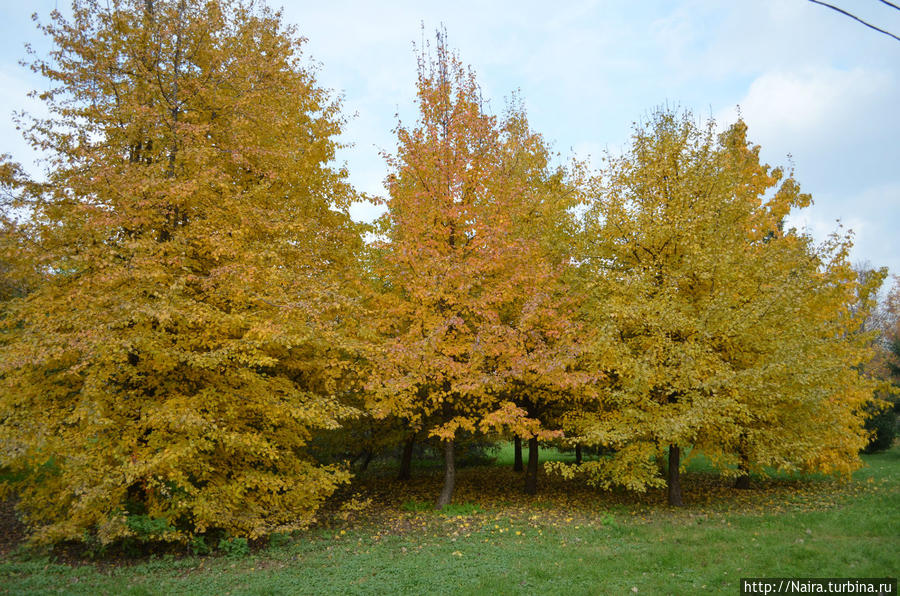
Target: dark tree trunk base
406	459
366	461
743	481
577	455
674	476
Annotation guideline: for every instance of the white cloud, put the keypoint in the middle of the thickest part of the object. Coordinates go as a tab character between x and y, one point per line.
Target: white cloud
812	102
842	128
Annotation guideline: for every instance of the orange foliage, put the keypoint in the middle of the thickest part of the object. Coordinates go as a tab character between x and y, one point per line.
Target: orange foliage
470	260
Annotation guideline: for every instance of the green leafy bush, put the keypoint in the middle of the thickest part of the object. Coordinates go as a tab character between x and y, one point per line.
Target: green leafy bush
234	547
148	528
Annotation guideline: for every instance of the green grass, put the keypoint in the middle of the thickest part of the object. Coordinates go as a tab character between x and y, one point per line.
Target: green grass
581	542
505	454
451	510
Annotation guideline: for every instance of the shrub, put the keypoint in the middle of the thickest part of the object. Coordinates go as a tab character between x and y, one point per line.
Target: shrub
234	547
883	424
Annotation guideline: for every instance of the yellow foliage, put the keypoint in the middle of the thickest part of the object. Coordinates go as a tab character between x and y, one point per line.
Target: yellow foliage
714	325
190	329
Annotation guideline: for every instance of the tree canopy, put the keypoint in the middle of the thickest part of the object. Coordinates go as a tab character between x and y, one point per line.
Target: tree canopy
714	326
194	334
469	274
194	243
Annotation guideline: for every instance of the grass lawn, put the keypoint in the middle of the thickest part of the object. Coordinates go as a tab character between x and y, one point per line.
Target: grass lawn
568	539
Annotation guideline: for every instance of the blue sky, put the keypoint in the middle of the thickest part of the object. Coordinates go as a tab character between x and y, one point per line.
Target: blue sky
809	82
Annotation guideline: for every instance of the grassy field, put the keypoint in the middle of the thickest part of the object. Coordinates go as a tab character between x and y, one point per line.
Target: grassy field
568	539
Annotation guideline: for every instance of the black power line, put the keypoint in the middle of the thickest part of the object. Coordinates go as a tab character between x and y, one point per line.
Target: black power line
889	4
856	18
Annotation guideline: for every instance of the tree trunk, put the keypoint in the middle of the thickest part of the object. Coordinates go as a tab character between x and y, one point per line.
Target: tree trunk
743	481
449	476
517	457
577	454
531	474
675	476
406	459
367	460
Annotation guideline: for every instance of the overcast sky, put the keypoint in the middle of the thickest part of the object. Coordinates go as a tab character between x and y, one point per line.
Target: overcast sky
810	82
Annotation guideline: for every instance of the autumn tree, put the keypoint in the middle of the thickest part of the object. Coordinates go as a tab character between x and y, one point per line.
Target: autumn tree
715	328
542	365
882	422
453	263
188	337
803	372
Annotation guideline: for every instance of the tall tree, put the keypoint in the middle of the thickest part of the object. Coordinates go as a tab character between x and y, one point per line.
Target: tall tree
189	336
451	258
542	366
716	328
